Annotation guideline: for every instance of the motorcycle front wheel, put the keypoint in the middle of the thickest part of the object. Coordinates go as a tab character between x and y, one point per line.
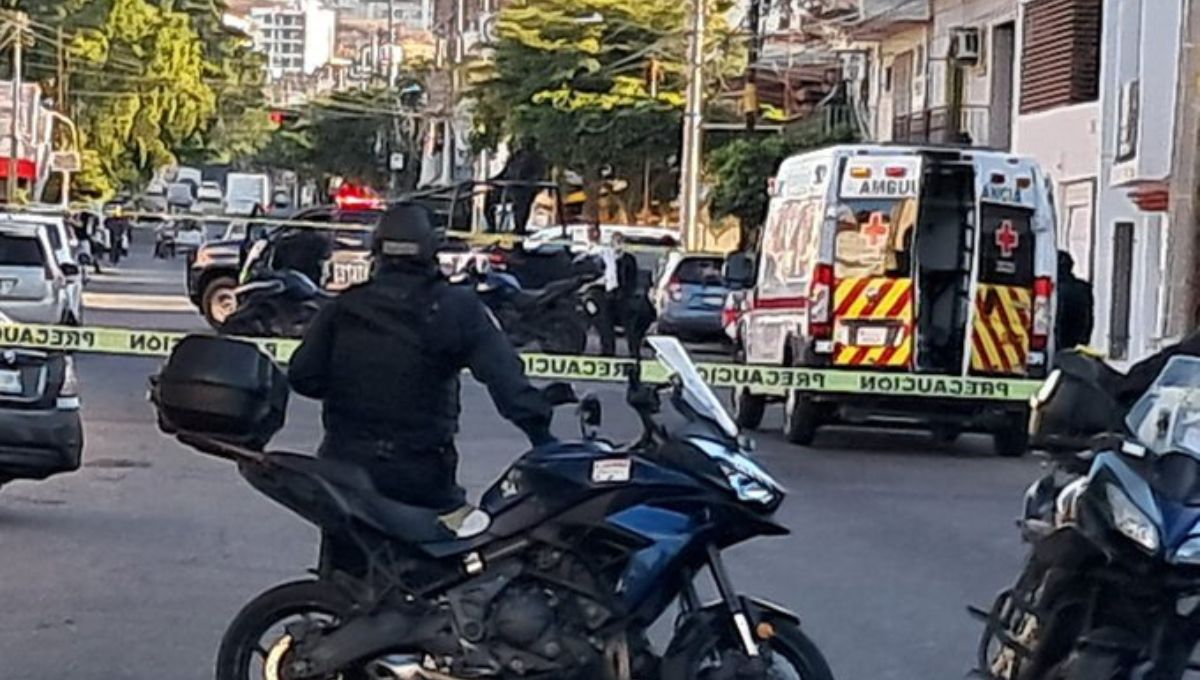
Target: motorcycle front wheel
257	644
714	652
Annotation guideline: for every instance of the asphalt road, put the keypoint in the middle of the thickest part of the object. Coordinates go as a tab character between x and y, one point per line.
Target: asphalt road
130	568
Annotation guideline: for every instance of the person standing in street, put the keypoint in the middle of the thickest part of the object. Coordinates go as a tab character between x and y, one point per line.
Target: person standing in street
384	358
118	233
603	296
631	303
1073	326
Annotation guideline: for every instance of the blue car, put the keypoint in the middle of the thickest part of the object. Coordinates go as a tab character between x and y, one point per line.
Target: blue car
690	297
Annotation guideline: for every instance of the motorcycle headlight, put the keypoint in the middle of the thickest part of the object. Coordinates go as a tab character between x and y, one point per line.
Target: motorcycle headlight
1128	519
746	487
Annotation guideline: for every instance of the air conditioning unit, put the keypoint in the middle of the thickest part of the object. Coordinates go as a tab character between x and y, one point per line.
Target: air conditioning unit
965	45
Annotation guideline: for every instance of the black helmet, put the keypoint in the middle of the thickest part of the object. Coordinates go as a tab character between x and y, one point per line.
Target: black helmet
405	232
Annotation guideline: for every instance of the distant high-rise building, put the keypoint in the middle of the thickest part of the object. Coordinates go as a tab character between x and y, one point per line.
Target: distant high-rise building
298	37
410	14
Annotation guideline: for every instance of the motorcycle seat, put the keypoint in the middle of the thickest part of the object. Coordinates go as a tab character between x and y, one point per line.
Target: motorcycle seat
554	289
328	491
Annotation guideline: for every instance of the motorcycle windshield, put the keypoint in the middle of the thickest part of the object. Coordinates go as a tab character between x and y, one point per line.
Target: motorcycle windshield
1166	419
696	393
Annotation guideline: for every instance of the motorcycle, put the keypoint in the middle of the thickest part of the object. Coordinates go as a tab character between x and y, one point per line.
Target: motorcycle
572	555
273	303
1110	588
552	317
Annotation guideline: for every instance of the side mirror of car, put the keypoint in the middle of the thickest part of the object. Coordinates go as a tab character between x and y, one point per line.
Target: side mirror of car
739	271
559	393
69	269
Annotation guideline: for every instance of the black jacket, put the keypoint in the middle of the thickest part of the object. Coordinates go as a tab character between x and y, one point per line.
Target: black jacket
1075	313
385	359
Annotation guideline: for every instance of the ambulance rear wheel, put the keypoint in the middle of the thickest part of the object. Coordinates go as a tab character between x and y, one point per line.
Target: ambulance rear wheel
801	418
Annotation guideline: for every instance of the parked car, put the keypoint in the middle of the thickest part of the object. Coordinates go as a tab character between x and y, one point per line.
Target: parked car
210	199
690	296
65	248
34	286
41	432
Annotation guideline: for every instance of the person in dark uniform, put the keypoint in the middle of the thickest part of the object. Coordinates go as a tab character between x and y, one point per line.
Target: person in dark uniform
631	302
305	251
385	356
1073	326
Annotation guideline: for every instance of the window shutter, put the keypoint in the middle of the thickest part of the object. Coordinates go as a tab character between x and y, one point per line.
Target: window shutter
1060	54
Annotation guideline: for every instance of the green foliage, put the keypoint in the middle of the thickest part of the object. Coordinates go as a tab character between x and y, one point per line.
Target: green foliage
573	75
150	82
345	135
740	169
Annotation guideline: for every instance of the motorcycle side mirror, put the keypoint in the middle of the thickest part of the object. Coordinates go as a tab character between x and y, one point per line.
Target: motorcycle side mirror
560	393
644	397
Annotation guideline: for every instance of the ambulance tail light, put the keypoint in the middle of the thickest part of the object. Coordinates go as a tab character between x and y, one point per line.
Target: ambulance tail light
820	303
1043	289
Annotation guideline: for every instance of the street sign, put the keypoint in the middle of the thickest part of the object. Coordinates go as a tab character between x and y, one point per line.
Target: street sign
65	161
396	161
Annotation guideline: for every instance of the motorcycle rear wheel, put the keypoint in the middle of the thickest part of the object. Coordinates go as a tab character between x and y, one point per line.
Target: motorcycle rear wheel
245	655
1090	664
791	655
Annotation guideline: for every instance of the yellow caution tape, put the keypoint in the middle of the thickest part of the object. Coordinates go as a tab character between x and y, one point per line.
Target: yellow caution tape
759	379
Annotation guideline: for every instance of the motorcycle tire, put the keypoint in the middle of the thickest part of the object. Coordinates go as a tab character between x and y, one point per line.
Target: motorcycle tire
788	645
1091	664
242	642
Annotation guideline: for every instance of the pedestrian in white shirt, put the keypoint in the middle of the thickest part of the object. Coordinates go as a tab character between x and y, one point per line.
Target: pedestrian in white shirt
604	295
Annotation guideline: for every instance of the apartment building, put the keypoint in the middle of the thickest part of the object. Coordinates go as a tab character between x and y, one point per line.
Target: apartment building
298	37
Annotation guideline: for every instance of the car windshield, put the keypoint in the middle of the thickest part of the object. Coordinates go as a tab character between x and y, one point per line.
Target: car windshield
696	393
1166	418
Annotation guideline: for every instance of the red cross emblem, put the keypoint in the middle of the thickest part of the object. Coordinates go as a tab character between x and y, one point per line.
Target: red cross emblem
875	230
1007	238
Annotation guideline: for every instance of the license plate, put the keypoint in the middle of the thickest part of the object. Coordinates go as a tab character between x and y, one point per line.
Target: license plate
713	300
350	273
10	382
871	337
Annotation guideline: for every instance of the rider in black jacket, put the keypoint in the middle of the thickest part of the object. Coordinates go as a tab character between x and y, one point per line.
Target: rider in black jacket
385	357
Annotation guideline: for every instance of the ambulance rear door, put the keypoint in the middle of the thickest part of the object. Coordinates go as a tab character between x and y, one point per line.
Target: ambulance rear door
1011	314
876	214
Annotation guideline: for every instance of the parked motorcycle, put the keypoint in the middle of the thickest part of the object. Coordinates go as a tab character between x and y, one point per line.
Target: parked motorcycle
1110	588
552	317
574	553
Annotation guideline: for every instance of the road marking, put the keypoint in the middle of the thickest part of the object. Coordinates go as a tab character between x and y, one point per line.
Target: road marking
123	302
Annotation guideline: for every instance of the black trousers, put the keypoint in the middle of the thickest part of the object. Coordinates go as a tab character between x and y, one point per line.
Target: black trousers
428	478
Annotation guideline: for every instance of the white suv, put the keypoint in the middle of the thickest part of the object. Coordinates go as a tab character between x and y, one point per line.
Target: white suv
34	286
63	245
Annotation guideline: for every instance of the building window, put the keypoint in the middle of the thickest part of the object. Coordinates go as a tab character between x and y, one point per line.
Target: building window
1122	276
1060	54
1127	122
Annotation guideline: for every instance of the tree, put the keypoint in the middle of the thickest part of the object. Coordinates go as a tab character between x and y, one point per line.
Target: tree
741	168
574	76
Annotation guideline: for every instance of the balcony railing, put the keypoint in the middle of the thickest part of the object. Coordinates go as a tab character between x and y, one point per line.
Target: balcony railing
943	125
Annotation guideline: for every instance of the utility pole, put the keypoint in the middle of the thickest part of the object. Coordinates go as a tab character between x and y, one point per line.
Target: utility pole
750	96
693	130
653	77
391	41
455	53
1181	281
17	20
61	74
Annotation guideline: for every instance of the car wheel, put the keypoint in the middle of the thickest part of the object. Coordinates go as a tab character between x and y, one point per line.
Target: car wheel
219	300
1012	440
748	409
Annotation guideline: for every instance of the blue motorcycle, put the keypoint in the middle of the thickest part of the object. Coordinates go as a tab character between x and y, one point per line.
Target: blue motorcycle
1111	588
573	554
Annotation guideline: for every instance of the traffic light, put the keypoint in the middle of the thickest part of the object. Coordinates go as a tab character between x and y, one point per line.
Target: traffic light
284	118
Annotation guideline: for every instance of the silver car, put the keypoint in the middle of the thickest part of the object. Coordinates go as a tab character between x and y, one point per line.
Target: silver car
63	244
34	287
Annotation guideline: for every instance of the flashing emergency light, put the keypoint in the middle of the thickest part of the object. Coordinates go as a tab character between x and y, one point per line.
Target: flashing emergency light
999	178
896	171
356	197
860	173
1024	182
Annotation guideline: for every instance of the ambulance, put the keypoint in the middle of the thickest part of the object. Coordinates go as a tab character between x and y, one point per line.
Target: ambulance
922	262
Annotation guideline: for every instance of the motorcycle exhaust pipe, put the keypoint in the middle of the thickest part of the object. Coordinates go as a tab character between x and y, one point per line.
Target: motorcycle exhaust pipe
402	668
